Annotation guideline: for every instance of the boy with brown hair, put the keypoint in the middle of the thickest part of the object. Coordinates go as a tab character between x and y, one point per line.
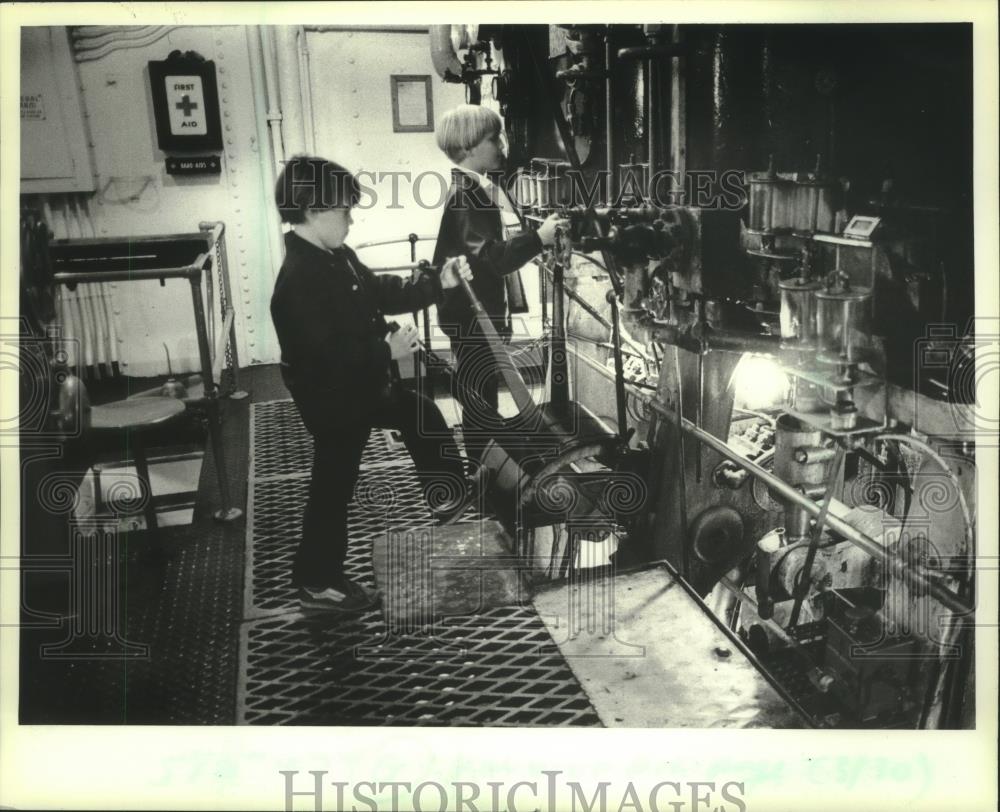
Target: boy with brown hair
329	315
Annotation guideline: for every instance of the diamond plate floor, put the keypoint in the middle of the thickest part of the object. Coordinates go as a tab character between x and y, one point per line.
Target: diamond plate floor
498	668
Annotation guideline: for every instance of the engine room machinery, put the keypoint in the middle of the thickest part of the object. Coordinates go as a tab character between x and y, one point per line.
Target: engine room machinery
735	304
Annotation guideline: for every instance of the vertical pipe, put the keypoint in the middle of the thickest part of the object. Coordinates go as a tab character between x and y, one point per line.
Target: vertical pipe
226	512
652	80
87	294
204	351
678	112
700	408
269	152
306	91
609	117
290	87
275	119
49	217
681	466
272	101
73	230
417	372
107	306
57	223
68	329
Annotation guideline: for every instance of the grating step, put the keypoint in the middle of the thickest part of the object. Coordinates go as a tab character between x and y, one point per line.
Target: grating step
498	668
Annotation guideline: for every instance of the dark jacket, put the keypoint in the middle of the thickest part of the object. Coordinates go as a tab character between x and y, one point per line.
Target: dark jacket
471	224
328	311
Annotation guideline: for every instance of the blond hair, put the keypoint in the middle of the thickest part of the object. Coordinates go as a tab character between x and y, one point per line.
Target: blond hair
459	130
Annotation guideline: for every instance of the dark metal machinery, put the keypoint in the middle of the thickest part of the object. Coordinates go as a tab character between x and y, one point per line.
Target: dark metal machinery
741	192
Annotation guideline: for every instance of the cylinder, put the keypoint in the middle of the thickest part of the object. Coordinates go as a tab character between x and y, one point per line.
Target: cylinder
562	193
843	324
761	202
798	313
791	434
526	191
552	183
805	198
791	437
539	179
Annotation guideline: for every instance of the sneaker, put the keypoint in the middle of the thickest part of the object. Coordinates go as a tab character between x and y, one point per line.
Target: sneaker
345	596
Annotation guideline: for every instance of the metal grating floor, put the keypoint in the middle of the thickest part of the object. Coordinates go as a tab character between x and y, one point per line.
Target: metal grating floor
497	668
185	610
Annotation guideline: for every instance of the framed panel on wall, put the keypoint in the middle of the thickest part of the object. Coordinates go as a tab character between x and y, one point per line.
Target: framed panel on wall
412	104
185	103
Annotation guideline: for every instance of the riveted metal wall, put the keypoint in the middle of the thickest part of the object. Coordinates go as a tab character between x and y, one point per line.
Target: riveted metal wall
135	196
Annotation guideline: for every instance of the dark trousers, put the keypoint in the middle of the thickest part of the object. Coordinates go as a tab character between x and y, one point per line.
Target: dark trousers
338	443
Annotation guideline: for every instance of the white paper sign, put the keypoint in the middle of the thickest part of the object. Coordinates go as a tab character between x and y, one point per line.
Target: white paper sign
411	98
186	105
32	107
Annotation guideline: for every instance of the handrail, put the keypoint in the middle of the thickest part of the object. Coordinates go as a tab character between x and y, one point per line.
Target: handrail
375	243
191	271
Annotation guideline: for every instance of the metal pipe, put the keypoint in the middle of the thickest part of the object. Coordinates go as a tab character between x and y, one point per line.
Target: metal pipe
681	464
678	112
90	37
410	266
87	48
290	87
914	574
267	145
227	512
609	116
306	90
220	344
653	87
125	275
204	348
375	243
269	70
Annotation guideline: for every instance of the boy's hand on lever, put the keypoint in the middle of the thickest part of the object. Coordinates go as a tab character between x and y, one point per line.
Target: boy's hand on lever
402	341
453	271
547	230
